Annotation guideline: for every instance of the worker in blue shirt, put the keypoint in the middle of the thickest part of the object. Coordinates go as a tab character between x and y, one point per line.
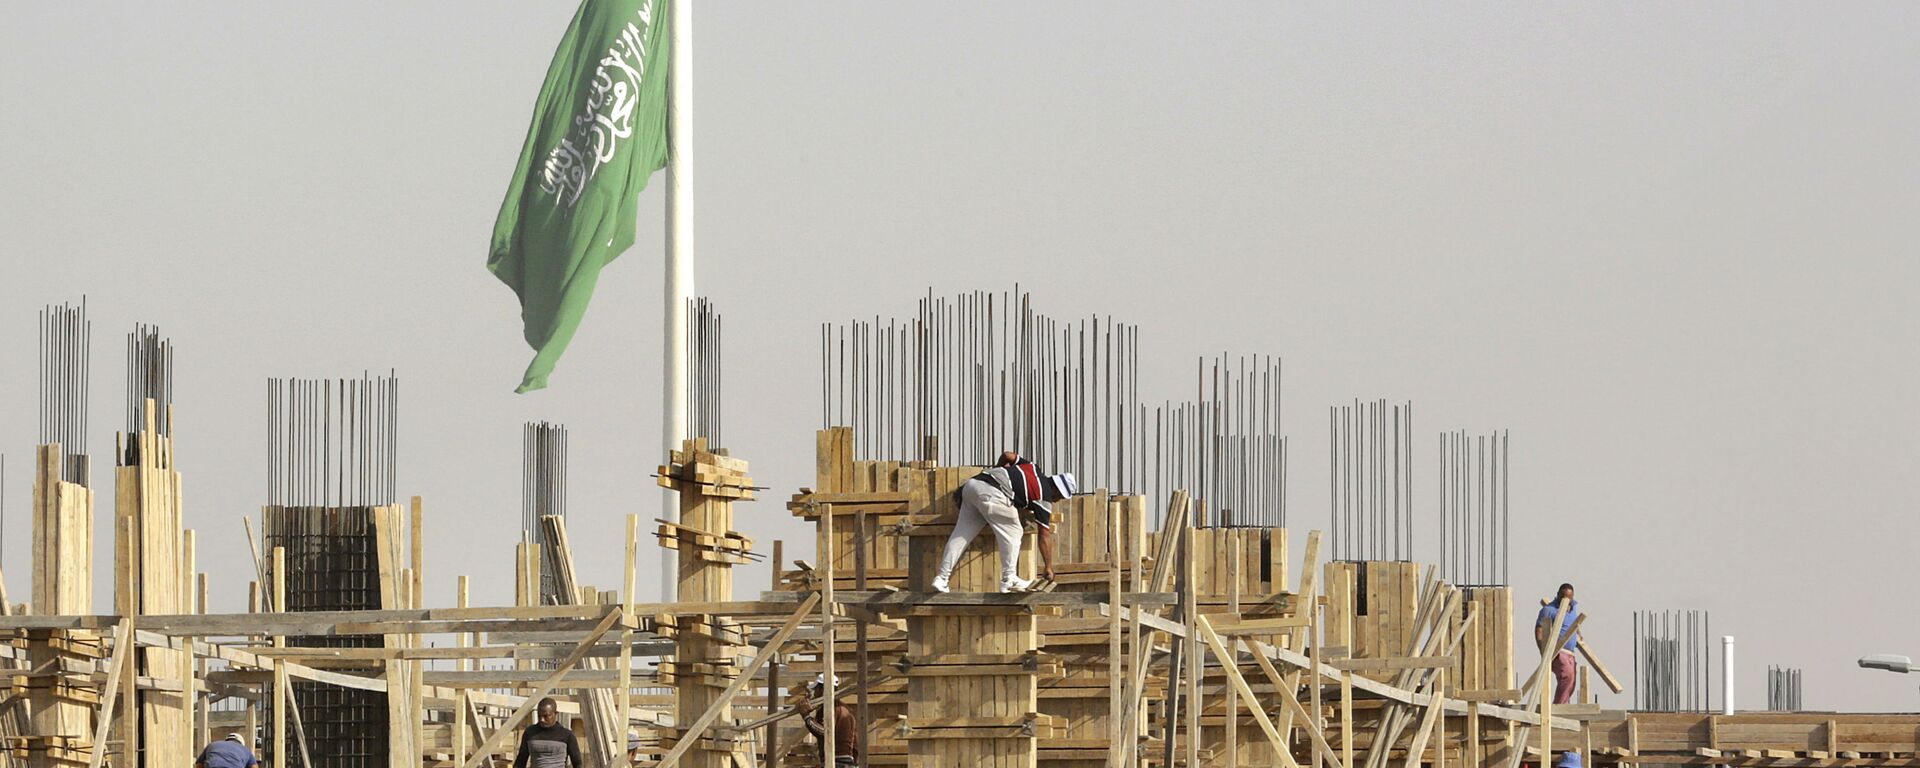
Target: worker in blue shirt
230	752
1565	667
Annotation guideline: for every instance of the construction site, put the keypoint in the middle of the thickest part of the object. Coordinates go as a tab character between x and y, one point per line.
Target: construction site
1645	236
1185	623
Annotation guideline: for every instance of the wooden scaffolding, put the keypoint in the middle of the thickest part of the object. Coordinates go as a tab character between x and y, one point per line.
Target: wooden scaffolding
1183	646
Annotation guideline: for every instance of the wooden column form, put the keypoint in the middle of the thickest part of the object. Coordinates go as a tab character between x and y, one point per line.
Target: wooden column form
57	716
150	559
706	646
972	670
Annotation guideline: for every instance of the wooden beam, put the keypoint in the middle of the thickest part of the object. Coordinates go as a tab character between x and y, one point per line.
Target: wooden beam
830	709
281	701
1115	751
699	725
623	696
1346	719
116	667
1395	663
1594	661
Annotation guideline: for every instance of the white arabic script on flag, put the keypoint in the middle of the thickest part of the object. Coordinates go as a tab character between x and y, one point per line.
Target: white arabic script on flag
606	119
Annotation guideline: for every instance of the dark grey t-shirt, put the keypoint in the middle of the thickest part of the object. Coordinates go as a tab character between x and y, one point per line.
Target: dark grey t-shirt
548	747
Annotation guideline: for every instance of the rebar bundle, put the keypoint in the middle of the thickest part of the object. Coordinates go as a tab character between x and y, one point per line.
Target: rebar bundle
1370	476
332	565
1783	689
703	371
149	379
970	376
332	446
1672	661
66	375
543	489
332	442
543	474
1473	508
1225	446
983	372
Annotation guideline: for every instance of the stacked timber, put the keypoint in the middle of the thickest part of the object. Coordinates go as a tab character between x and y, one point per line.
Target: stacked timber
603	738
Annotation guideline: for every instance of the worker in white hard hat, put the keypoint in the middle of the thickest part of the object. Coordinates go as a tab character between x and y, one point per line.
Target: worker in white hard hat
996	498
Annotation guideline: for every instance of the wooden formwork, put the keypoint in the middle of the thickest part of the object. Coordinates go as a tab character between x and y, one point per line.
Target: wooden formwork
1241	571
1753	738
59	703
1099	540
1371	606
1260	578
153	575
706	645
1486	650
1412	673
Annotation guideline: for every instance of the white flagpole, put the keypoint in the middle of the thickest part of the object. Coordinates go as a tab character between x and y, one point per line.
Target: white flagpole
679	282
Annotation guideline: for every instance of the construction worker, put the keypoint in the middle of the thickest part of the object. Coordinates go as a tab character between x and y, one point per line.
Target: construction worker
996	498
230	752
1565	667
846	725
548	744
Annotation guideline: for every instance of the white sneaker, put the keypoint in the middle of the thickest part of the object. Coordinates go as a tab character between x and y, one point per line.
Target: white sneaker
940	584
1015	584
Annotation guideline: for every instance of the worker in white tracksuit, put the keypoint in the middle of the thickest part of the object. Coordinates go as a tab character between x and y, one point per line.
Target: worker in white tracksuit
995	498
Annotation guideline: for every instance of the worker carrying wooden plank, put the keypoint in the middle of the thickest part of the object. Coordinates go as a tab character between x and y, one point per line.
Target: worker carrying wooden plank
996	498
1565	666
846	725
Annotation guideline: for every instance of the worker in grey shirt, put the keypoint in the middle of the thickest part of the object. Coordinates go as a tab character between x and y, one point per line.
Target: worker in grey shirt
548	744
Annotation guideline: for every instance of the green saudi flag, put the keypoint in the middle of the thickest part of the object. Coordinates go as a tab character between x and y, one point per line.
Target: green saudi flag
599	130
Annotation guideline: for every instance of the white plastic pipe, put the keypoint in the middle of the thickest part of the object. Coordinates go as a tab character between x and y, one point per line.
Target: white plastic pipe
679	281
1726	674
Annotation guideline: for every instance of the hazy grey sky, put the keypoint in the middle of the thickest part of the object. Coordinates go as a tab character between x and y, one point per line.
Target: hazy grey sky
1669	246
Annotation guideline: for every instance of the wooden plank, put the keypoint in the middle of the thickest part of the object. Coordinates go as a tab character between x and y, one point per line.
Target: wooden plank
1114	672
282	701
1391	664
1594	662
828	710
1416	751
116	668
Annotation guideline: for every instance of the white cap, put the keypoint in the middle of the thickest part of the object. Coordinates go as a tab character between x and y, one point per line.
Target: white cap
820	681
1064	483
